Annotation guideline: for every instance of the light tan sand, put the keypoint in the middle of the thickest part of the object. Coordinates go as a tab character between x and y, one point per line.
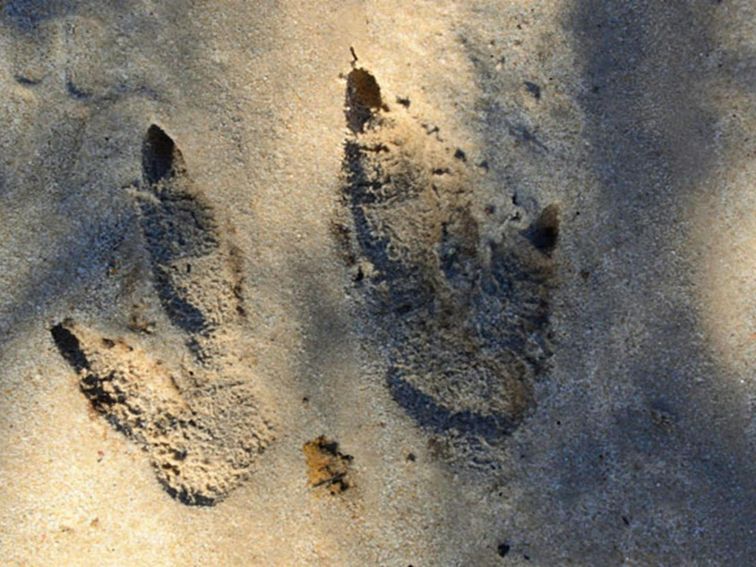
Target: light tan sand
597	408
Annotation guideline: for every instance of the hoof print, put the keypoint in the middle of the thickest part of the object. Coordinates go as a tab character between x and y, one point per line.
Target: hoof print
464	319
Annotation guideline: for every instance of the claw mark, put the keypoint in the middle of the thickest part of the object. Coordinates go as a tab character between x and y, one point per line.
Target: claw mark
363	99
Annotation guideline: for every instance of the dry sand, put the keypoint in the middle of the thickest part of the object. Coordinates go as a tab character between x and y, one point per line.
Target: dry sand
377	283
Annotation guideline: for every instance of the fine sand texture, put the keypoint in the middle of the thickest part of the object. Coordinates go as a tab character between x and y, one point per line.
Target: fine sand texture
346	283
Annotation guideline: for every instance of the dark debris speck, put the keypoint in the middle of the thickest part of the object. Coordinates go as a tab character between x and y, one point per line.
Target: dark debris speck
533	89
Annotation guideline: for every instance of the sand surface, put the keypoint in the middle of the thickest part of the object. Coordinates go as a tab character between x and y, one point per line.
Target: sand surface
377	283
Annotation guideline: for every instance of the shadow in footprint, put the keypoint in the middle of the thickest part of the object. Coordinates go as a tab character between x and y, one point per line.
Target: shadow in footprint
176	227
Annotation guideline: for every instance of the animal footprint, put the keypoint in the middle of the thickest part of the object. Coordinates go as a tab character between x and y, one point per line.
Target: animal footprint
200	421
464	317
198	276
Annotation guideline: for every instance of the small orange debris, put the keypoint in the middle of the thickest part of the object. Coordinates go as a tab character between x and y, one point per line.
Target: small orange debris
327	467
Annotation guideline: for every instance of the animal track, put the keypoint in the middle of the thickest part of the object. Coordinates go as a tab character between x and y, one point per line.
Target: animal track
465	318
183	239
202	434
200	422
